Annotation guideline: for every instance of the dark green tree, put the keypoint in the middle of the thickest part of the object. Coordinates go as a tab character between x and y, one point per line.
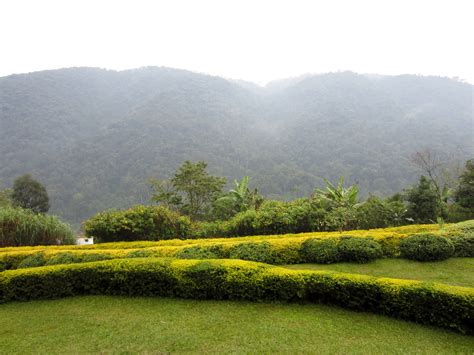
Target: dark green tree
424	205
192	191
464	194
29	193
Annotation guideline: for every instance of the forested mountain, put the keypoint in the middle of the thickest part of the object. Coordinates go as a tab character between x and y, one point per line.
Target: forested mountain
94	136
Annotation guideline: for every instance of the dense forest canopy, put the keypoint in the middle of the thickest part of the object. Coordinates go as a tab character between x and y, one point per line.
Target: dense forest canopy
94	137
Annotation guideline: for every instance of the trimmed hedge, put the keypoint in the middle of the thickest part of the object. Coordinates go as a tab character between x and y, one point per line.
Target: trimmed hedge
272	251
428	303
426	247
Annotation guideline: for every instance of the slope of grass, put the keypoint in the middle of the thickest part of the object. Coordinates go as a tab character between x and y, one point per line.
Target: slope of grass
159	325
454	271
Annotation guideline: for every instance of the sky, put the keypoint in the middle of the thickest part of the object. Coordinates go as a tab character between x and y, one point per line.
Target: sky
255	40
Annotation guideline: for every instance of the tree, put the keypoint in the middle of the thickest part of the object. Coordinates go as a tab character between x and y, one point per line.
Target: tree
5	198
341	202
464	194
29	193
423	202
339	196
192	190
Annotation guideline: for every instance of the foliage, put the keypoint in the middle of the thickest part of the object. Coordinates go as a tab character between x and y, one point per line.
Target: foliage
137	223
29	193
34	260
378	213
462	236
341	202
339	196
319	251
20	227
64	258
424	206
464	194
95	136
193	190
203	252
5	198
360	250
261	252
435	304
239	199
426	247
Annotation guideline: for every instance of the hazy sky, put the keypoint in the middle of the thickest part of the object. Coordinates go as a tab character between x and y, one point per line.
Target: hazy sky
252	40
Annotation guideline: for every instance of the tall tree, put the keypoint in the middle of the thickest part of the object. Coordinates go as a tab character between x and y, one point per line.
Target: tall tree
464	194
423	202
29	193
192	191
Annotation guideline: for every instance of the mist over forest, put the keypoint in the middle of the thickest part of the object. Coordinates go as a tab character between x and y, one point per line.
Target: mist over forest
94	137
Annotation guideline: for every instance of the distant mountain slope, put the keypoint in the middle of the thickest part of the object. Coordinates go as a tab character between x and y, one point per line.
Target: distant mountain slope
94	136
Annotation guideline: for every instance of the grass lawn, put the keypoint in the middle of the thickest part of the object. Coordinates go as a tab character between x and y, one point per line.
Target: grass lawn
454	271
161	325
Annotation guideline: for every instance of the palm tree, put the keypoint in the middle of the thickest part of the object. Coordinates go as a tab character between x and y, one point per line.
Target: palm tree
240	196
342	201
339	196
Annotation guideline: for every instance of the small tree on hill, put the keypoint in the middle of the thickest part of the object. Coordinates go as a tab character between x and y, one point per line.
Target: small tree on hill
424	205
464	194
29	193
192	191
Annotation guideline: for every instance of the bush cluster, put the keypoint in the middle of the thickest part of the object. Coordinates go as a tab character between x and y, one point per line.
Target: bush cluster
441	305
138	223
20	226
462	236
426	247
346	248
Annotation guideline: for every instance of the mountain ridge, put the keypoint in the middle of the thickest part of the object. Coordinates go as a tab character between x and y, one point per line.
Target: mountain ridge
94	136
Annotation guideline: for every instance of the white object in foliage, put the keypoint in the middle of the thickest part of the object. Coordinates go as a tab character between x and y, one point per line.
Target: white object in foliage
84	240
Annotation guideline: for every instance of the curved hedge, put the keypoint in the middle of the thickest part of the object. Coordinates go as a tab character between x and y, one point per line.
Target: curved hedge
436	304
20	227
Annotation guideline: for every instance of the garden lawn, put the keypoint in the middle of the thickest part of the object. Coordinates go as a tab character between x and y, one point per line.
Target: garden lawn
454	271
161	325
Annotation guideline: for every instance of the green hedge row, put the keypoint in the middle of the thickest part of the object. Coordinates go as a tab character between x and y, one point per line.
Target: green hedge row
428	303
421	247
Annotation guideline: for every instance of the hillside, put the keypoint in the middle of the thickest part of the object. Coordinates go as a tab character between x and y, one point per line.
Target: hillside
94	136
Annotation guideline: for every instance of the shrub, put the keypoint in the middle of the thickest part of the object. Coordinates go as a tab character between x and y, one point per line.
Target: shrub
320	251
217	229
35	260
20	227
87	258
426	247
360	250
261	252
64	258
202	252
442	305
142	253
463	245
243	223
138	223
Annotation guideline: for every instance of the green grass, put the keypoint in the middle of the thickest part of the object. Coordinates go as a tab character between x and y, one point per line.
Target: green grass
159	325
454	271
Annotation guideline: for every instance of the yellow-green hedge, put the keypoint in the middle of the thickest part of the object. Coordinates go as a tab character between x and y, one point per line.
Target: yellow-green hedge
429	303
